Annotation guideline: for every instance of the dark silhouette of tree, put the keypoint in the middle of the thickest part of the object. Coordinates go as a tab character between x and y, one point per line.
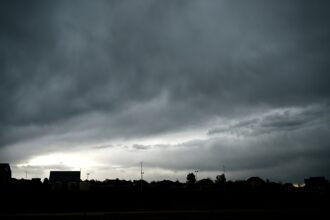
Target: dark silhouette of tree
220	179
220	182
191	179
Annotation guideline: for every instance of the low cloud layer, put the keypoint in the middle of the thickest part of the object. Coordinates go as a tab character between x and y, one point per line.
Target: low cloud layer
181	85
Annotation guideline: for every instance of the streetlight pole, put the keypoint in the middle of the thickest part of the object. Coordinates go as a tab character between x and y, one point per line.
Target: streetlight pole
196	171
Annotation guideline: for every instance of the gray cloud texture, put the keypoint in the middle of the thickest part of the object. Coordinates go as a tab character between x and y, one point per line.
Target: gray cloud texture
86	73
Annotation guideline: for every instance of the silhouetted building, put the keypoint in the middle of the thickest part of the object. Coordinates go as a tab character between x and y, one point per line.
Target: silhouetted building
205	184
316	184
64	180
64	176
5	173
255	181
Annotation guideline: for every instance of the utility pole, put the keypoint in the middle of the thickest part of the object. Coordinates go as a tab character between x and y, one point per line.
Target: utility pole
141	176
26	174
224	183
87	175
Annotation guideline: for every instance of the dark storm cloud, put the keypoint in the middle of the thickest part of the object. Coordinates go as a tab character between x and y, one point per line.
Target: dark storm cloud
81	72
103	147
278	154
140	147
282	120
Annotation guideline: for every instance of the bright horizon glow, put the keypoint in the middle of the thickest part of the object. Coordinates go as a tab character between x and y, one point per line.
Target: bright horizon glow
66	159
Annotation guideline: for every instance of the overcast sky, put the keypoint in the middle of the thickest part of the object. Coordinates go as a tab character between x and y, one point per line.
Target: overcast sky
180	85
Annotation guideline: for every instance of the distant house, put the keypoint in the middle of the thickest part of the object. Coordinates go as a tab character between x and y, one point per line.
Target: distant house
64	180
5	173
255	181
316	184
205	184
64	176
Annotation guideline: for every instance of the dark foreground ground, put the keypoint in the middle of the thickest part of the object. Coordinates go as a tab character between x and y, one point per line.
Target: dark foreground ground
178	214
167	204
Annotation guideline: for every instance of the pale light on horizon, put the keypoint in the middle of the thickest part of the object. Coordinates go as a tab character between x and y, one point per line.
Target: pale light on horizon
62	159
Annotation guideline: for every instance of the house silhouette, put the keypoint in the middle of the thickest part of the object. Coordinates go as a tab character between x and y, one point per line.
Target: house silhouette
317	184
5	172
64	180
64	176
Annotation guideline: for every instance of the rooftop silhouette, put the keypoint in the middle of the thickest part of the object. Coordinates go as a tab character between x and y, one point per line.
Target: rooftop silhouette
64	192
